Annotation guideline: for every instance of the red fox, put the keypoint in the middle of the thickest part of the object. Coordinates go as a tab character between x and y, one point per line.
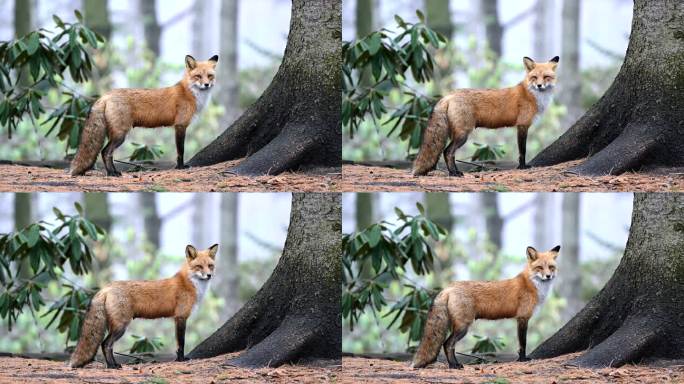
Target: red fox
115	113
459	304
115	305
456	115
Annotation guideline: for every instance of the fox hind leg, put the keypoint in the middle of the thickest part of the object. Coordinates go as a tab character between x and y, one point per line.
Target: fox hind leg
450	343
522	146
108	345
457	142
108	154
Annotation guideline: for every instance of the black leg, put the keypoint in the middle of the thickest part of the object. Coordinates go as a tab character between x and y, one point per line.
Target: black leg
180	147
180	338
522	339
522	147
450	155
449	348
108	155
108	347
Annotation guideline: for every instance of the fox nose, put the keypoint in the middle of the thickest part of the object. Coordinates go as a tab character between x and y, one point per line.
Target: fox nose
208	275
206	85
539	86
548	276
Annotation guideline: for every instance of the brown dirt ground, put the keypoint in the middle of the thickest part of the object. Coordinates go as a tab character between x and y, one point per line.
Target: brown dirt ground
205	371
370	371
543	179
21	178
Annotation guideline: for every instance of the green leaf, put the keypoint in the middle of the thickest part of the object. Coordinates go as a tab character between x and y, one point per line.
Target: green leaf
78	15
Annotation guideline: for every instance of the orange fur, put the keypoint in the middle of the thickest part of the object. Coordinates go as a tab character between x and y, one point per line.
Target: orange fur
458	305
115	305
119	110
456	115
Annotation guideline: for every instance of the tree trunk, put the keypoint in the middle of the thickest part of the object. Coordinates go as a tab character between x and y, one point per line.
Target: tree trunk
638	314
296	314
438	209
148	10
97	210
493	28
542	206
23	217
151	220
571	85
96	15
200	16
569	285
228	94
364	210
639	120
23	24
364	26
227	269
438	18
200	228
493	221
542	38
296	122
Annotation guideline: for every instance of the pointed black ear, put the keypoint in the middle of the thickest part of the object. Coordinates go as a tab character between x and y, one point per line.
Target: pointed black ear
212	251
555	59
190	252
531	253
190	62
529	63
214	59
555	249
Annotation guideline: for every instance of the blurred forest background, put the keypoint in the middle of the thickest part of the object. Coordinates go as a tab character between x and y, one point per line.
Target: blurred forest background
488	234
146	42
147	235
487	40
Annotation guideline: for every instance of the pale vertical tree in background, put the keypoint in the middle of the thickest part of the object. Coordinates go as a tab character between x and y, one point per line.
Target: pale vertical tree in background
571	82
228	95
96	14
97	210
200	29
365	215
438	18
364	26
542	30
148	11
494	223
199	221
438	209
543	203
227	266
151	220
23	24
489	10
569	285
23	216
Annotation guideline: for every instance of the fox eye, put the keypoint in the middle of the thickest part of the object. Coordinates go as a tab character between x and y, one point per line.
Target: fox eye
196	77
211	77
533	78
552	268
538	269
211	266
547	78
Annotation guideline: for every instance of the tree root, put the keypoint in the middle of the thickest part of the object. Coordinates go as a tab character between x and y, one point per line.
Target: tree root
287	343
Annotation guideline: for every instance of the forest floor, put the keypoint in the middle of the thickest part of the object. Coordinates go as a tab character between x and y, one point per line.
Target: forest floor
28	178
28	371
542	179
372	371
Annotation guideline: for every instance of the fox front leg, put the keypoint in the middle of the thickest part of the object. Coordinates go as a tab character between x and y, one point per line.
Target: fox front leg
180	338
522	146
180	146
522	339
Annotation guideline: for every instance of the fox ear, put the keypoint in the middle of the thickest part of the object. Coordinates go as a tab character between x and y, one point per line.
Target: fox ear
212	251
214	59
531	253
555	61
529	63
190	62
555	250
190	252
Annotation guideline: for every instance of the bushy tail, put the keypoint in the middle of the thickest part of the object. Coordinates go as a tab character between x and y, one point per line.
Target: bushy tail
434	334
92	140
434	140
92	332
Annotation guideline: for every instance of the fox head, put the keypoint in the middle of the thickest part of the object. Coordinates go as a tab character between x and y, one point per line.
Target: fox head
201	75
542	265
540	77
201	263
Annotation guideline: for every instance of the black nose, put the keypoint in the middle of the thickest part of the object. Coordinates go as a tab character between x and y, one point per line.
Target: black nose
206	84
539	85
208	275
548	276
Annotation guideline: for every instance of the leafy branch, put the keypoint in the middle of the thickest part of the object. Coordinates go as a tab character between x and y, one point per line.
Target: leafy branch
388	249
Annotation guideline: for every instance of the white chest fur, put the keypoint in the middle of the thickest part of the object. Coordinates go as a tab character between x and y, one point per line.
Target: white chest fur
543	101
201	99
543	290
201	287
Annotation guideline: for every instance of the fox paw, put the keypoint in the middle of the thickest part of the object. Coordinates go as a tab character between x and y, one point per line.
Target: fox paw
114	366
114	173
524	358
455	366
181	358
523	166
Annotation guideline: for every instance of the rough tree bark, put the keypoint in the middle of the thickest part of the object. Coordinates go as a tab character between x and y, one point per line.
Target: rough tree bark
148	10
296	314
639	120
638	314
296	121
